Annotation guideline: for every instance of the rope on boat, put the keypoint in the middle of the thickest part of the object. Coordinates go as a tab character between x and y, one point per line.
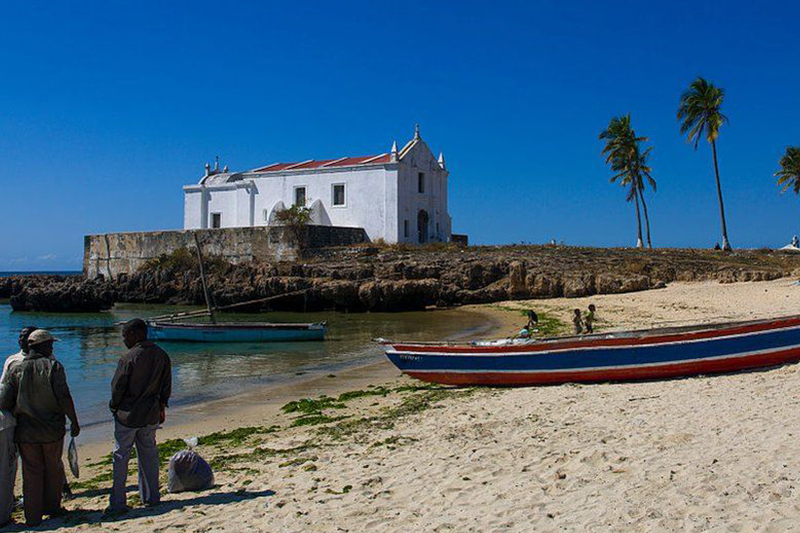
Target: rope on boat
207	312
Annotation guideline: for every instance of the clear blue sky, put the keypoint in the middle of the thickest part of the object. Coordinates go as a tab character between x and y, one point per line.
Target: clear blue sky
107	109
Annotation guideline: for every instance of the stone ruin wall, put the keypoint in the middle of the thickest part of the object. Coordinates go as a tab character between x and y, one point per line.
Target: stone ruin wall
112	254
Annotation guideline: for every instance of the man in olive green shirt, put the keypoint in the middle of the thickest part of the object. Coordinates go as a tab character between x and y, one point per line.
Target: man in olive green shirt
36	391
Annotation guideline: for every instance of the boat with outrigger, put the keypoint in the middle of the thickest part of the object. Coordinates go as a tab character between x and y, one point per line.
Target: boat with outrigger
647	354
179	326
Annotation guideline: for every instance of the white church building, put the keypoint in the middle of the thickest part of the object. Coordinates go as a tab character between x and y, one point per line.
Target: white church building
398	196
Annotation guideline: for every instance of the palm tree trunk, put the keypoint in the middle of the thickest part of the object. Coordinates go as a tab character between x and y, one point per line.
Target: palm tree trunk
726	245
638	221
646	220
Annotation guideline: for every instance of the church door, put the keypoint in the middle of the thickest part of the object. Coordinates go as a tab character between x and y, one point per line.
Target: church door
422	226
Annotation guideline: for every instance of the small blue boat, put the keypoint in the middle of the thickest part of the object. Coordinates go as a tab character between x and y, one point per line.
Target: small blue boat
236	332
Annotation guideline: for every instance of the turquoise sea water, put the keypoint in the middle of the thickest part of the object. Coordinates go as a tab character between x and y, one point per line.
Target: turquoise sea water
91	345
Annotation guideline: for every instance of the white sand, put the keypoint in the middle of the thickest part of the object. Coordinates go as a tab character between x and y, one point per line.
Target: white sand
699	454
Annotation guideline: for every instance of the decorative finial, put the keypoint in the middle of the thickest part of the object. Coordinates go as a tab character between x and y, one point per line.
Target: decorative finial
208	169
216	165
393	155
441	160
225	168
416	131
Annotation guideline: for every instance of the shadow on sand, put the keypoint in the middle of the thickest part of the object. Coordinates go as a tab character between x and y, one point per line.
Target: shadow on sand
78	516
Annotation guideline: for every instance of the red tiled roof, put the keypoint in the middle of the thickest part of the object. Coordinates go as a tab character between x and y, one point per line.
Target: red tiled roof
327	163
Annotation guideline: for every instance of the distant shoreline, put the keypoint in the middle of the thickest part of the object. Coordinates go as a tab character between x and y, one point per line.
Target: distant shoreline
9	273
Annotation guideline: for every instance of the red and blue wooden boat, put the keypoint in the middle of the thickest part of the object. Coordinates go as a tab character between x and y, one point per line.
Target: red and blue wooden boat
618	356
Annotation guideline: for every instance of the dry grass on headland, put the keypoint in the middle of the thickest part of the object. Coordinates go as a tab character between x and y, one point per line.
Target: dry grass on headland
699	454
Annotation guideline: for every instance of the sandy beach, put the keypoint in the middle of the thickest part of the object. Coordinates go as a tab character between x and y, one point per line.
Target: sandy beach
697	454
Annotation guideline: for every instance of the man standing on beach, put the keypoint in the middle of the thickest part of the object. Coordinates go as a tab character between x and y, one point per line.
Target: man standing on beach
36	391
140	394
8	450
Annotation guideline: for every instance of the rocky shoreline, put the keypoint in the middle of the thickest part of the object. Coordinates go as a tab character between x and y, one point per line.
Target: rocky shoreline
365	278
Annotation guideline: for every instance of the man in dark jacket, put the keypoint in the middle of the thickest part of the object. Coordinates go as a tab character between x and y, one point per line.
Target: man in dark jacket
140	393
36	391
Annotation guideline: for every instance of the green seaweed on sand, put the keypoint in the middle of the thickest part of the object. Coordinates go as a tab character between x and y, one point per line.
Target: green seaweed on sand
352	395
388	416
234	437
393	442
297	461
259	454
315	419
310	405
345	490
93	483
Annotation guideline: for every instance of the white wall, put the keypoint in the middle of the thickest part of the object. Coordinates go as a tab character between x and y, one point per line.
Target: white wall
234	201
377	198
433	200
364	195
193	208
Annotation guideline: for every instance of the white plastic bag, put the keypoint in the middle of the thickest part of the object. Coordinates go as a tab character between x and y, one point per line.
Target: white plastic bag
72	458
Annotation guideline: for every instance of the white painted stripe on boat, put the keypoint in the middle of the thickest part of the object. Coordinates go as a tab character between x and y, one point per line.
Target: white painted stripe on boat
616	367
582	348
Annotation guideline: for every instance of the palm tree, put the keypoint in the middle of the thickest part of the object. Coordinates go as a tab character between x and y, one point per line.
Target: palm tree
789	173
629	163
699	113
643	177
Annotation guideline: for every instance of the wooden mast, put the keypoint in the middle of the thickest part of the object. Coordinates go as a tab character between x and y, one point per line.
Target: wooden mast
203	279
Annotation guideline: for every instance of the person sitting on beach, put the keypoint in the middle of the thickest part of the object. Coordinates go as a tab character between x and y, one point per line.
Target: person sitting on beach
140	393
577	322
588	319
36	390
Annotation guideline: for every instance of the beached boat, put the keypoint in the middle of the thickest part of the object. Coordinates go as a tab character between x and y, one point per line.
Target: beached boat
618	356
236	332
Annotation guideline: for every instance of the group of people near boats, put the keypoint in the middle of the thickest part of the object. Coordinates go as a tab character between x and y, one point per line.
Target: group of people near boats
581	323
35	403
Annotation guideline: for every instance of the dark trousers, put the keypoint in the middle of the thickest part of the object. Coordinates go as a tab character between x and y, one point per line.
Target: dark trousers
42	478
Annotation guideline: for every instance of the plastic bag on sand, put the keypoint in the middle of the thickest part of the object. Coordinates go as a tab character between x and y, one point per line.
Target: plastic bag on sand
72	458
188	471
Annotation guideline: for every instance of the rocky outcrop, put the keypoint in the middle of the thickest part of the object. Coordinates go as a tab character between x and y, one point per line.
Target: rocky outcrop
401	278
61	294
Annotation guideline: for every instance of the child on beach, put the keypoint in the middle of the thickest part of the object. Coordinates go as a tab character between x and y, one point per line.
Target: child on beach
588	319
577	322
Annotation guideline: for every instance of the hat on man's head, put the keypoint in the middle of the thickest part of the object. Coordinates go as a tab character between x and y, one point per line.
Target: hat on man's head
39	336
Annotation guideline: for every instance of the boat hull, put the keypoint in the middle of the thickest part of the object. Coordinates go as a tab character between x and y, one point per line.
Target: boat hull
620	357
236	332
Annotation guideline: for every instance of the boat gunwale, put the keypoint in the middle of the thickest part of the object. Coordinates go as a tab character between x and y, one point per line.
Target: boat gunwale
240	326
602	340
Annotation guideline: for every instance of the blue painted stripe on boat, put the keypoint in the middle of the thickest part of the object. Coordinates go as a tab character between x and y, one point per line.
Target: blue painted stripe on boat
616	367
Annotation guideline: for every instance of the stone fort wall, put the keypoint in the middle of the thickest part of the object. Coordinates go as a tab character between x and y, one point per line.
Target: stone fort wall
112	254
